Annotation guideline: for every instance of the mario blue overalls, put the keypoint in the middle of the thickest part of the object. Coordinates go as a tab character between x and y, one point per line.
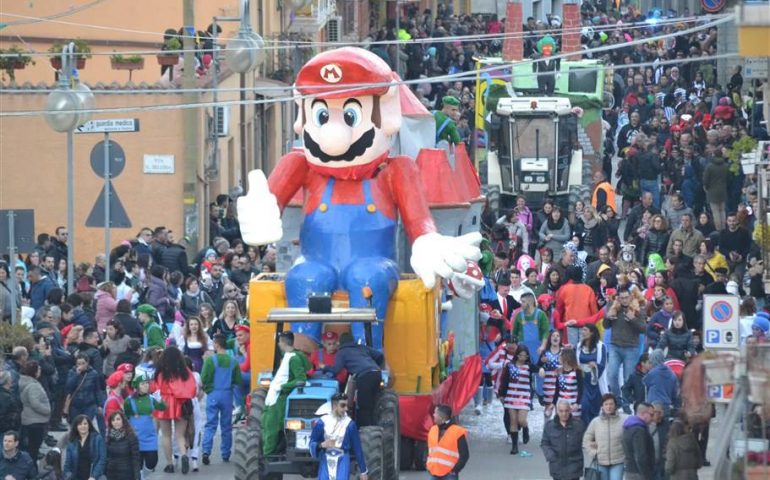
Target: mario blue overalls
220	403
345	247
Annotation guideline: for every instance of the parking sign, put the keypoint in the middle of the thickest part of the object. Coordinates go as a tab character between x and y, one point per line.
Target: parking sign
721	321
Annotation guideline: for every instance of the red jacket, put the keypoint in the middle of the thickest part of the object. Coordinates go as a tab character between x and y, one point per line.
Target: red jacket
574	301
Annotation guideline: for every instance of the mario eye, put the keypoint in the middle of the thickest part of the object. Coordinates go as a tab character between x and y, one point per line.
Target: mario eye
352	115
320	114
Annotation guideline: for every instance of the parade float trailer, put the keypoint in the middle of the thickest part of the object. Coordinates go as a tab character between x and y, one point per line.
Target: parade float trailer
432	352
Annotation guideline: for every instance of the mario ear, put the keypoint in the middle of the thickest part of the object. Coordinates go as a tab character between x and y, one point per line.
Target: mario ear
299	122
390	110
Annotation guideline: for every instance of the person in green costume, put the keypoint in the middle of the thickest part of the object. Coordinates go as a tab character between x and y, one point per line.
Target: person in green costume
446	128
292	370
153	333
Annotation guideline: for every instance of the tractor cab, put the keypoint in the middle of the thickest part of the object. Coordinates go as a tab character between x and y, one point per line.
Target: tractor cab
535	154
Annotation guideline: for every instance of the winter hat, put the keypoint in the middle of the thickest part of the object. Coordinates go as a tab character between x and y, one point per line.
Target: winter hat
732	287
657	357
762	322
210	253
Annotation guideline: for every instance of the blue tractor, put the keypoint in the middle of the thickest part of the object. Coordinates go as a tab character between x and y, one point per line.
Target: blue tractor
304	405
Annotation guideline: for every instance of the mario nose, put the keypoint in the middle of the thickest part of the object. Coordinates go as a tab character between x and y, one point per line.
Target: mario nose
335	138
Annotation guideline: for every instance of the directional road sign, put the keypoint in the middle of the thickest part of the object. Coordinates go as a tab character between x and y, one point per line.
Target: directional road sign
113	125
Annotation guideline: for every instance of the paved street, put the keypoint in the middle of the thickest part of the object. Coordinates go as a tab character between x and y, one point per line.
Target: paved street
490	458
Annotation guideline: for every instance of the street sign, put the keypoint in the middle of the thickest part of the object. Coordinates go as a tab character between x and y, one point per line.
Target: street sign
115	125
755	67
116	159
118	216
721	321
23	231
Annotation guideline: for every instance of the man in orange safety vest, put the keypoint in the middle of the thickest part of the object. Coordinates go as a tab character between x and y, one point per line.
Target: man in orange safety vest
447	446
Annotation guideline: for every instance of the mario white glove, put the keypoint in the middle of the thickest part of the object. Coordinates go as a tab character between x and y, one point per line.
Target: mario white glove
435	254
258	213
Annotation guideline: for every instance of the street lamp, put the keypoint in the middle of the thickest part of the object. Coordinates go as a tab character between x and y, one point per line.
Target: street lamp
66	109
247	50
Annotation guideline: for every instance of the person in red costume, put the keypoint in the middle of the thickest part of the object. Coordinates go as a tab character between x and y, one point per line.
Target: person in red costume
114	403
349	111
326	355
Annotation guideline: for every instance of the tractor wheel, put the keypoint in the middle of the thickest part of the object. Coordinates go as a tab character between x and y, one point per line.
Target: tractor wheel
407	453
420	455
247	441
371	444
387	417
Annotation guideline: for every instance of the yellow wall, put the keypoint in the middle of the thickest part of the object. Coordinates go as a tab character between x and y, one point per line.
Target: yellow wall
32	156
130	17
33	169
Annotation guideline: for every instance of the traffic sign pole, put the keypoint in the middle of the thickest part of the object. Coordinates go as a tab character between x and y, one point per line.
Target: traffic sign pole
12	266
107	206
117	125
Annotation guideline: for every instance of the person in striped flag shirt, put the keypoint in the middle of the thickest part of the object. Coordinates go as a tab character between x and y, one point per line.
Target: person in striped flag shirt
516	392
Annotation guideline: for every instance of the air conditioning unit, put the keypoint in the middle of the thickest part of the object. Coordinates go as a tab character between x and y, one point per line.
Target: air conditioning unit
334	29
222	124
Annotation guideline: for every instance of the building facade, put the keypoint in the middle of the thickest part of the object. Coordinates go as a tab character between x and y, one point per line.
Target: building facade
204	151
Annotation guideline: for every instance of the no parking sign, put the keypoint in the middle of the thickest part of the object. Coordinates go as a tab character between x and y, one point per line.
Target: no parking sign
721	321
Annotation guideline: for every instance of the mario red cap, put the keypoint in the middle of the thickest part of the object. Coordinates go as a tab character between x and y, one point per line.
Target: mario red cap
545	300
242	328
339	71
329	336
114	380
125	368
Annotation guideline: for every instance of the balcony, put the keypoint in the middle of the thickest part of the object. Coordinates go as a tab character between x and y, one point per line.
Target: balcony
312	18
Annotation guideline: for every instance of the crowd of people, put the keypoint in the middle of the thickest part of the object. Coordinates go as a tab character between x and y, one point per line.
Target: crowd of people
592	311
127	361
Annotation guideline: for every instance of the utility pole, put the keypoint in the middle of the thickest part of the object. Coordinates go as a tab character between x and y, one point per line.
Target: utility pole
192	136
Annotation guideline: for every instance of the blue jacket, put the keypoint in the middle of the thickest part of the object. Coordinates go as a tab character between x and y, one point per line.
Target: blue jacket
38	292
661	386
20	467
658	324
98	456
91	393
357	359
82	318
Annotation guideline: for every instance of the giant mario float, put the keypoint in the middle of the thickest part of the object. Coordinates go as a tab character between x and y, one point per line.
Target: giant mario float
349	111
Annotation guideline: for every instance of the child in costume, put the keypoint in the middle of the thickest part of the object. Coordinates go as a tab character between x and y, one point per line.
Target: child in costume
139	408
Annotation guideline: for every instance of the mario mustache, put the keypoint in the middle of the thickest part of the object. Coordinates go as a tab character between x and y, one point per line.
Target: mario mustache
358	148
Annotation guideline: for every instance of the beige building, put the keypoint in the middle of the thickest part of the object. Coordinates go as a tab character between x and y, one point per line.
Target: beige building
202	156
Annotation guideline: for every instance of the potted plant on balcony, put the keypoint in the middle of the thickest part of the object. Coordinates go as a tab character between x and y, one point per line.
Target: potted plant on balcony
172	45
82	53
18	61
130	63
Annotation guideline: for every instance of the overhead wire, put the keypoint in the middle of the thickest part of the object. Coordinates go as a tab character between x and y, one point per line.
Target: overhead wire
460	76
471	75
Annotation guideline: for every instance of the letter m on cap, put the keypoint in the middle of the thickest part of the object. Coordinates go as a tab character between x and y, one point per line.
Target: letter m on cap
331	73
